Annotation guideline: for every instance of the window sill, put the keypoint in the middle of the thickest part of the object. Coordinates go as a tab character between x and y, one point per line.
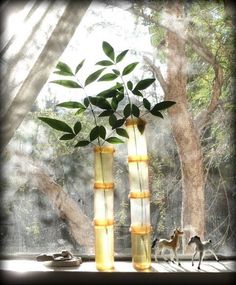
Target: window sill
28	272
23	265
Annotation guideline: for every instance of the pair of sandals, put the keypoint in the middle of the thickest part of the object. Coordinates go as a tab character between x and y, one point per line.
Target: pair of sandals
65	258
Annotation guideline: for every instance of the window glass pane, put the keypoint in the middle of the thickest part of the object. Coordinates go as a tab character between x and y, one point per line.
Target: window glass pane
47	184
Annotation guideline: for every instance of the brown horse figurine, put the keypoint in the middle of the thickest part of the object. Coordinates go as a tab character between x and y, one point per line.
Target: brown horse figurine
172	244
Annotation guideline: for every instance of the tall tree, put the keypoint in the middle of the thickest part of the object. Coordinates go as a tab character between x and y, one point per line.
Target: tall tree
187	130
185	133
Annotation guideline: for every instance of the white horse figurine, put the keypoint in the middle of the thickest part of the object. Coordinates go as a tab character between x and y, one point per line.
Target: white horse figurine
201	247
171	244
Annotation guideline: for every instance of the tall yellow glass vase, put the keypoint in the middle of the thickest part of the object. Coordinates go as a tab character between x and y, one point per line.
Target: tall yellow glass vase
139	196
103	208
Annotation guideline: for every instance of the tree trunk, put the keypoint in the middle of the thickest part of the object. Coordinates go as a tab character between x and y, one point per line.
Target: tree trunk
80	226
184	131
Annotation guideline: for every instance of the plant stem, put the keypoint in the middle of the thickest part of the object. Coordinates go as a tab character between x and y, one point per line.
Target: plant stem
138	168
136	150
100	154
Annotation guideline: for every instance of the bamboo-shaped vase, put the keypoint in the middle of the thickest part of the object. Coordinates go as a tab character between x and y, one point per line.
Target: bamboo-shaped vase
103	208
139	196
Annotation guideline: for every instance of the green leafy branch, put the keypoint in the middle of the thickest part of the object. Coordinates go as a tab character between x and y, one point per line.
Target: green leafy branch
107	101
120	89
98	131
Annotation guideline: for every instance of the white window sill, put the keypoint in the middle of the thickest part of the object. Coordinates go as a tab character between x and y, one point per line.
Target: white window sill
27	272
22	265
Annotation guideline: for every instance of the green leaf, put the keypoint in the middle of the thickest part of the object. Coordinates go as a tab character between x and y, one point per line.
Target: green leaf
60	72
108	93
120	97
157	113
135	110
114	140
114	103
146	104
64	67
117	72
67	83
77	127
118	123
82	143
57	124
120	90
105	63
94	133
127	111
70	105
94	76
67	137
86	102
100	102
164	105
108	50
106	113
122	132
137	92
112	120
108	77
143	84
130	85
102	132
79	66
119	86
129	68
81	110
121	55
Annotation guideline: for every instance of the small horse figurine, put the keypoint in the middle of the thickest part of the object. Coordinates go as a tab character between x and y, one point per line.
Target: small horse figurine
201	247
171	244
